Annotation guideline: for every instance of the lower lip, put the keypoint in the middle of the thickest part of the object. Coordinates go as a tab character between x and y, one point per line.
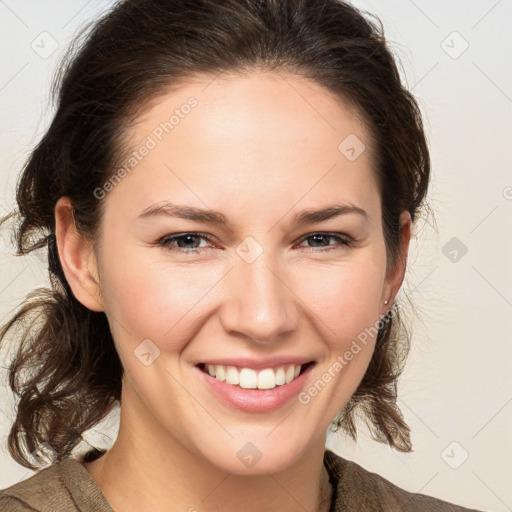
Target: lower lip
255	400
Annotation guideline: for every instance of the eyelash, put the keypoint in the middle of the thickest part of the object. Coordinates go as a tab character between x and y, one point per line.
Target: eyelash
344	242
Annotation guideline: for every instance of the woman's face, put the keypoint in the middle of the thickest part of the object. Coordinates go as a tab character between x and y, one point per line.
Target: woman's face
260	150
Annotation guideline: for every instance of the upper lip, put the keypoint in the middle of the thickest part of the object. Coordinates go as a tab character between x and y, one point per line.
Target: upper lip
258	363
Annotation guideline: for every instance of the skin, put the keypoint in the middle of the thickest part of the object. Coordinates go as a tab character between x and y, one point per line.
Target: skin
259	148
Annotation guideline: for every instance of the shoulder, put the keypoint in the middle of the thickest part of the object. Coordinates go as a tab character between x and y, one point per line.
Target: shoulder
44	487
44	490
64	486
360	489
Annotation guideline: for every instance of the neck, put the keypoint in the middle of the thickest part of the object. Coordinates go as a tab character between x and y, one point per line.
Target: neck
151	460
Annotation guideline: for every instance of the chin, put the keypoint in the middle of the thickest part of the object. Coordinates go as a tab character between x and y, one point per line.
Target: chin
243	456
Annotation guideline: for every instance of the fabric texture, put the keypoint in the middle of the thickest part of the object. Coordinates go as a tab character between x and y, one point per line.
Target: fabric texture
66	486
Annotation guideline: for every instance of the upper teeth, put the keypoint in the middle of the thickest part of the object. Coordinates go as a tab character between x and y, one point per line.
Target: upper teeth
249	379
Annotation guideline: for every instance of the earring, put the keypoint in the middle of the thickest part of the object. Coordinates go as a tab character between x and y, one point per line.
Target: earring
386	302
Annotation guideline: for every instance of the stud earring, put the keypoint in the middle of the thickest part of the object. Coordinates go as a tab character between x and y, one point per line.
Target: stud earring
386	302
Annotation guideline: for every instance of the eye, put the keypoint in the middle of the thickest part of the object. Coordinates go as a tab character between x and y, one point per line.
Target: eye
342	241
183	240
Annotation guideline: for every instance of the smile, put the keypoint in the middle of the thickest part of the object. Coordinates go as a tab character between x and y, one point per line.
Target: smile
249	378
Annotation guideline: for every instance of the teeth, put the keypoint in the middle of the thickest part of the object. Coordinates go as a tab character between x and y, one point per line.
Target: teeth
248	378
280	376
290	373
266	379
220	373
232	375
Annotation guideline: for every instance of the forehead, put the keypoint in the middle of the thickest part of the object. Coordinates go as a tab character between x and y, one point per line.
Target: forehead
274	135
249	107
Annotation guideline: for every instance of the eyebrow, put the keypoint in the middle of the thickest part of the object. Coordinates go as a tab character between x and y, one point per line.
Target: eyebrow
207	216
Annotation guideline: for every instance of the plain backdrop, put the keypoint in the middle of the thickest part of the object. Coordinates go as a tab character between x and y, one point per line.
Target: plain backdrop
456	392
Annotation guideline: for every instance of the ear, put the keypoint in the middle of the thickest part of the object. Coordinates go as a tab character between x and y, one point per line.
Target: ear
77	257
395	273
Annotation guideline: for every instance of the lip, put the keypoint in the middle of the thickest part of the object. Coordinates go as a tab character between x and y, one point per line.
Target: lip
254	400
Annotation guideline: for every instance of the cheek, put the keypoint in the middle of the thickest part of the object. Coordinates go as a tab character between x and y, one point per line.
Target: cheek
146	297
347	298
348	302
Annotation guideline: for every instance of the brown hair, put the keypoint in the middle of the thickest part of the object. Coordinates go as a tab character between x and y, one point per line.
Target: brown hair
66	372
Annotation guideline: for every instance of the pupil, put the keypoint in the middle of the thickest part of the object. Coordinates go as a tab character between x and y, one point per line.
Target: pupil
187	238
316	237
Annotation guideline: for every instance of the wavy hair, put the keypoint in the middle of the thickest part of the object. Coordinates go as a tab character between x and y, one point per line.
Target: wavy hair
66	372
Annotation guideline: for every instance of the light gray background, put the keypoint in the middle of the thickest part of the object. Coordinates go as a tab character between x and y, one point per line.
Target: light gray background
456	392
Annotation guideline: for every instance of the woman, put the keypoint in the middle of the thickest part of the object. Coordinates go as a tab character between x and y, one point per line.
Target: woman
278	137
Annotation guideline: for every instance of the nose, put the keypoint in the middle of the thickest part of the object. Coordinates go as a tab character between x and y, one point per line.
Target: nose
261	305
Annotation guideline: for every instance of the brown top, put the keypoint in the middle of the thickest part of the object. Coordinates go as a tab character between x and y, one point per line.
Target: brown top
66	486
